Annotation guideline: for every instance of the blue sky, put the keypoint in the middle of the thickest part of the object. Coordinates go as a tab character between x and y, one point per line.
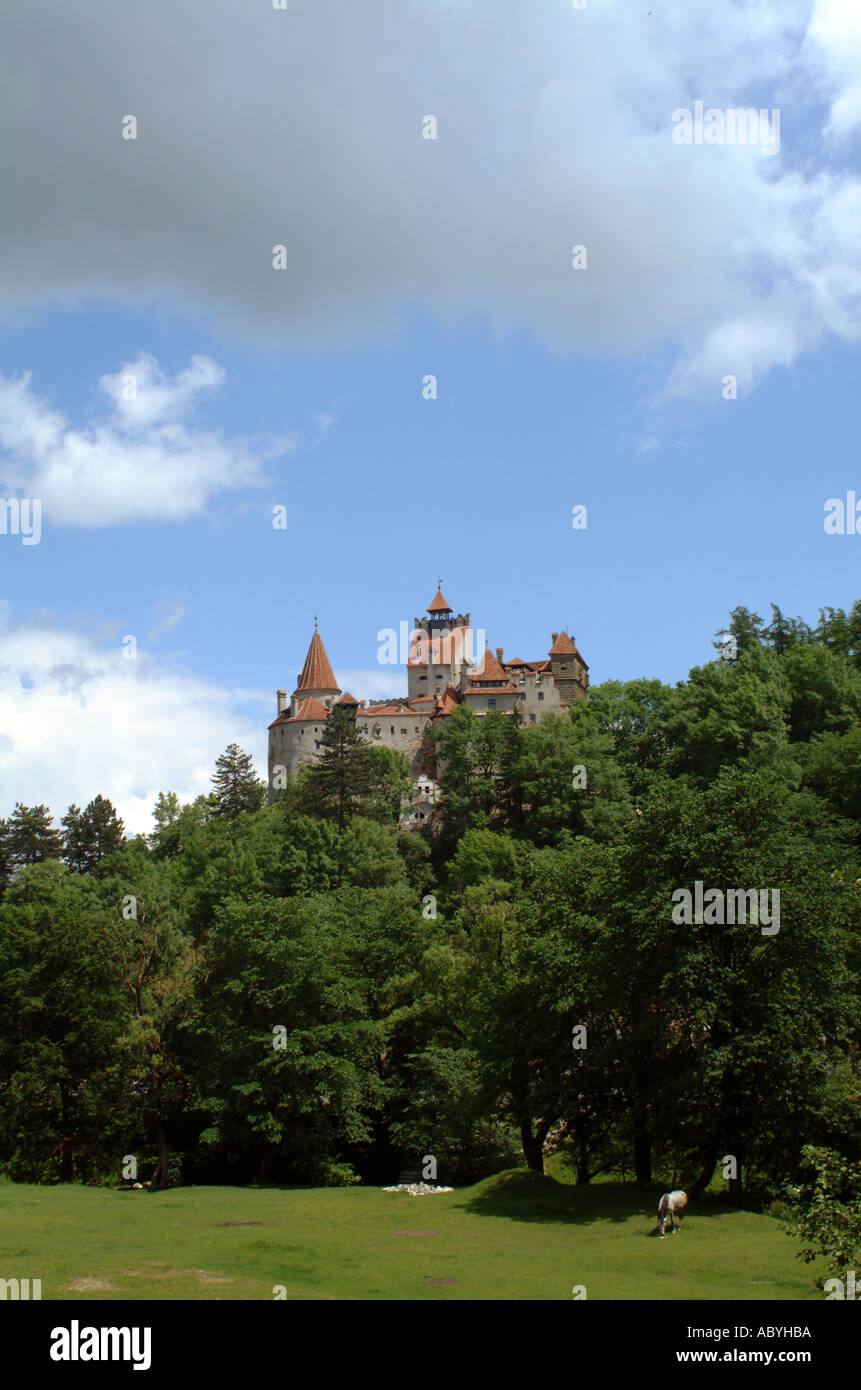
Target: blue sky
556	387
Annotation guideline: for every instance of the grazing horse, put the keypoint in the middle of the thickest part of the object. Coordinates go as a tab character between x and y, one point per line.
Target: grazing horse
671	1204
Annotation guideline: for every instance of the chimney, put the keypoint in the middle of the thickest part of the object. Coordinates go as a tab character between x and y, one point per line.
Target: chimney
499	655
553	637
281	696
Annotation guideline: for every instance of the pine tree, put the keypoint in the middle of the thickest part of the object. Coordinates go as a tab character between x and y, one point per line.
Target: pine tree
236	788
746	627
31	836
74	848
91	834
344	776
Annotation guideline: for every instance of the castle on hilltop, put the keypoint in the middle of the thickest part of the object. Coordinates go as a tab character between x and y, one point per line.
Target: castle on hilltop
441	674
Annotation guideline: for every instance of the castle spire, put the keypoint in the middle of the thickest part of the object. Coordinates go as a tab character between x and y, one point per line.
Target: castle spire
317	674
439	605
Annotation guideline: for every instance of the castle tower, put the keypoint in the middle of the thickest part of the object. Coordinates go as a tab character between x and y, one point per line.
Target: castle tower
440	650
568	669
316	680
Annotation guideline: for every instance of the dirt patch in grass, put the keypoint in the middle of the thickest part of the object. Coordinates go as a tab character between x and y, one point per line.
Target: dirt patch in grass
413	1233
89	1284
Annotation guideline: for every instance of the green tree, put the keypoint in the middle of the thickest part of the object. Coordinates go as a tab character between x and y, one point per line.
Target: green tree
472	754
351	778
569	782
60	1022
720	1024
236	787
726	713
825	1210
745	626
92	834
483	854
30	837
783	633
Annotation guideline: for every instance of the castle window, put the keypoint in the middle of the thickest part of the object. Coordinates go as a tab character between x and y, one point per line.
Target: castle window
541	694
393	728
532	718
491	704
523	694
422	678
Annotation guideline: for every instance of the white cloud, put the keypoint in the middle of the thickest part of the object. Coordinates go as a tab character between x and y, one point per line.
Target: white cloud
834	38
167	615
77	719
258	127
140	463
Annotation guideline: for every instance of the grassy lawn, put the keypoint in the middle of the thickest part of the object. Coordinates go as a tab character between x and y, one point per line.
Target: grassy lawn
513	1236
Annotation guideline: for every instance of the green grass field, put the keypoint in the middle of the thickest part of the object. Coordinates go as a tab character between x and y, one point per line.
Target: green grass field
513	1236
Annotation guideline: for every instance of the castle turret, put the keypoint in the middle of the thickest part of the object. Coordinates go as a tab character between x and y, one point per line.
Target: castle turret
316	679
567	668
440	650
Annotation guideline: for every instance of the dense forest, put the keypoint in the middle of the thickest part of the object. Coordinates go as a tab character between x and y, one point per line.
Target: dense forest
303	993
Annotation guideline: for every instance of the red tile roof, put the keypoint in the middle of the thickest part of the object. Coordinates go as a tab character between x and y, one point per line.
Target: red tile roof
562	645
307	710
492	690
446	702
317	674
489	670
347	699
439	604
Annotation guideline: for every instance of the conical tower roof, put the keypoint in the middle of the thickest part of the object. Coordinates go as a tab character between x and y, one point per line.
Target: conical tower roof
439	605
562	645
317	674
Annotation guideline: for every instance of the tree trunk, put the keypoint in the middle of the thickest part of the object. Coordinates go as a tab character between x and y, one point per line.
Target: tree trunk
67	1170
264	1166
735	1189
706	1173
642	1157
533	1148
159	1176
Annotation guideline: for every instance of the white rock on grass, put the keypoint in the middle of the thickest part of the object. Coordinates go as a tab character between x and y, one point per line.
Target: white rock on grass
417	1189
